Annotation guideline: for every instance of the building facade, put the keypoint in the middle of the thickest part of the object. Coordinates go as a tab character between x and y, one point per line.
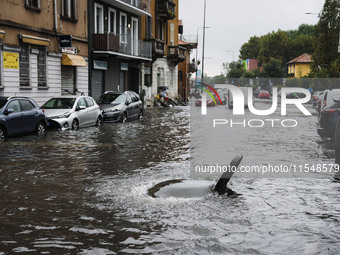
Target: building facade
161	30
117	50
33	63
300	66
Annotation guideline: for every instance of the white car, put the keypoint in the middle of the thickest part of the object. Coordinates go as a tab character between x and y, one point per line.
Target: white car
66	112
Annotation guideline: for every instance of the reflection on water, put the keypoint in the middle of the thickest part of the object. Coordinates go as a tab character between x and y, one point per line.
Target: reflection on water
85	192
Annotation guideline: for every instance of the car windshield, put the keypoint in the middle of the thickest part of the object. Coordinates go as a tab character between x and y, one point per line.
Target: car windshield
111	99
59	103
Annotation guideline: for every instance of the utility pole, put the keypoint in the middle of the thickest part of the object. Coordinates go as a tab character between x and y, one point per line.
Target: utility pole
205	4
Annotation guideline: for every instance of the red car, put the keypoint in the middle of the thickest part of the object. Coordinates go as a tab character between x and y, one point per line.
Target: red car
210	101
264	94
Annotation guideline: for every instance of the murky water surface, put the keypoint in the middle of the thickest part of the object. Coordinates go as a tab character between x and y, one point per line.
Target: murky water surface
85	192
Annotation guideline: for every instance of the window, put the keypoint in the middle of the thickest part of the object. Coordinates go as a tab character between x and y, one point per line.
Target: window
148	30
161	30
26	105
81	102
24	65
89	102
32	4
98	19
180	74
14	105
42	81
123	28
128	99
112	21
69	9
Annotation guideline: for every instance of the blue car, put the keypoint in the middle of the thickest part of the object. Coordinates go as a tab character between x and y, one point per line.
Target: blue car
20	115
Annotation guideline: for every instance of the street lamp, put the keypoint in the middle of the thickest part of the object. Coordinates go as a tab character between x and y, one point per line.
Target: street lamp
196	55
313	13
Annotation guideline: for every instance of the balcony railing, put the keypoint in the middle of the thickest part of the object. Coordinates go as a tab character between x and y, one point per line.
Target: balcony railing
166	9
143	5
176	53
158	47
122	44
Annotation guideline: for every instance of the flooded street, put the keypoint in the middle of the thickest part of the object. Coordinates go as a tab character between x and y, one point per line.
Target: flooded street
86	192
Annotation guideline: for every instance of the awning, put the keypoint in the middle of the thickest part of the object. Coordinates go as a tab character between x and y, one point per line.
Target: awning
72	60
35	40
2	34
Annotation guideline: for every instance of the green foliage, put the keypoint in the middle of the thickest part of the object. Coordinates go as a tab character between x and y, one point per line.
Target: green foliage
326	39
275	49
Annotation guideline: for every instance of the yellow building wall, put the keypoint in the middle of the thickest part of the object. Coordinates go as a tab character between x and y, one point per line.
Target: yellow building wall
299	69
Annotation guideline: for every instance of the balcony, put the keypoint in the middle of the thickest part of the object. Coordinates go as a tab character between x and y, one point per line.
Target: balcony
158	47
121	45
166	9
137	7
192	68
176	53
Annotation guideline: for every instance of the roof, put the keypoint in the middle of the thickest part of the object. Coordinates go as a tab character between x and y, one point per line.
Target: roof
304	58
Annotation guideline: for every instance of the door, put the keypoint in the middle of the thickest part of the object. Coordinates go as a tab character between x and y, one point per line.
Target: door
82	114
92	111
15	120
97	83
122	81
68	80
134	36
29	115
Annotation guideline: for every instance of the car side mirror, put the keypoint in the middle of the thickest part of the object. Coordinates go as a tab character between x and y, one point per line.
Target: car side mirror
127	103
8	111
81	107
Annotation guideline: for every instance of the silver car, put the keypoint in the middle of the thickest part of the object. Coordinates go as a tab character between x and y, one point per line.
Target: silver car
66	112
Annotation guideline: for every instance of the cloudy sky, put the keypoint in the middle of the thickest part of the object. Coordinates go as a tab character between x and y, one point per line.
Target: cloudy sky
232	23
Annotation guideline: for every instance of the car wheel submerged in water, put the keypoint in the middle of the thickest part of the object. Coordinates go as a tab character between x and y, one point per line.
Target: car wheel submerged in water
41	129
124	117
75	124
99	121
2	134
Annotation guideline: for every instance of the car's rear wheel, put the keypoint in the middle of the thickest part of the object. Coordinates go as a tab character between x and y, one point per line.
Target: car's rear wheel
2	134
75	124
99	121
41	129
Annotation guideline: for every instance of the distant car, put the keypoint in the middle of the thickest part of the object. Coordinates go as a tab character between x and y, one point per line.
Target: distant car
329	113
210	101
72	112
120	107
20	115
264	94
245	94
317	96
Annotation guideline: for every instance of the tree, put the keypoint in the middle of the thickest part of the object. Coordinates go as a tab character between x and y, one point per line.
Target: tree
251	49
235	70
273	68
326	39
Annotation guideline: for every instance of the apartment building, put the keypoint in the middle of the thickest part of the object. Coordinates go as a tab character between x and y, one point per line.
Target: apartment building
43	48
161	29
118	52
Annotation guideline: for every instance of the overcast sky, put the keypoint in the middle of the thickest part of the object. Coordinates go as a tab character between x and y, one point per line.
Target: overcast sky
232	23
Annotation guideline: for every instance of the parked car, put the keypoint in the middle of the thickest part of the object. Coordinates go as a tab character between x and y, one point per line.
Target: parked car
264	94
20	115
74	112
120	107
329	113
